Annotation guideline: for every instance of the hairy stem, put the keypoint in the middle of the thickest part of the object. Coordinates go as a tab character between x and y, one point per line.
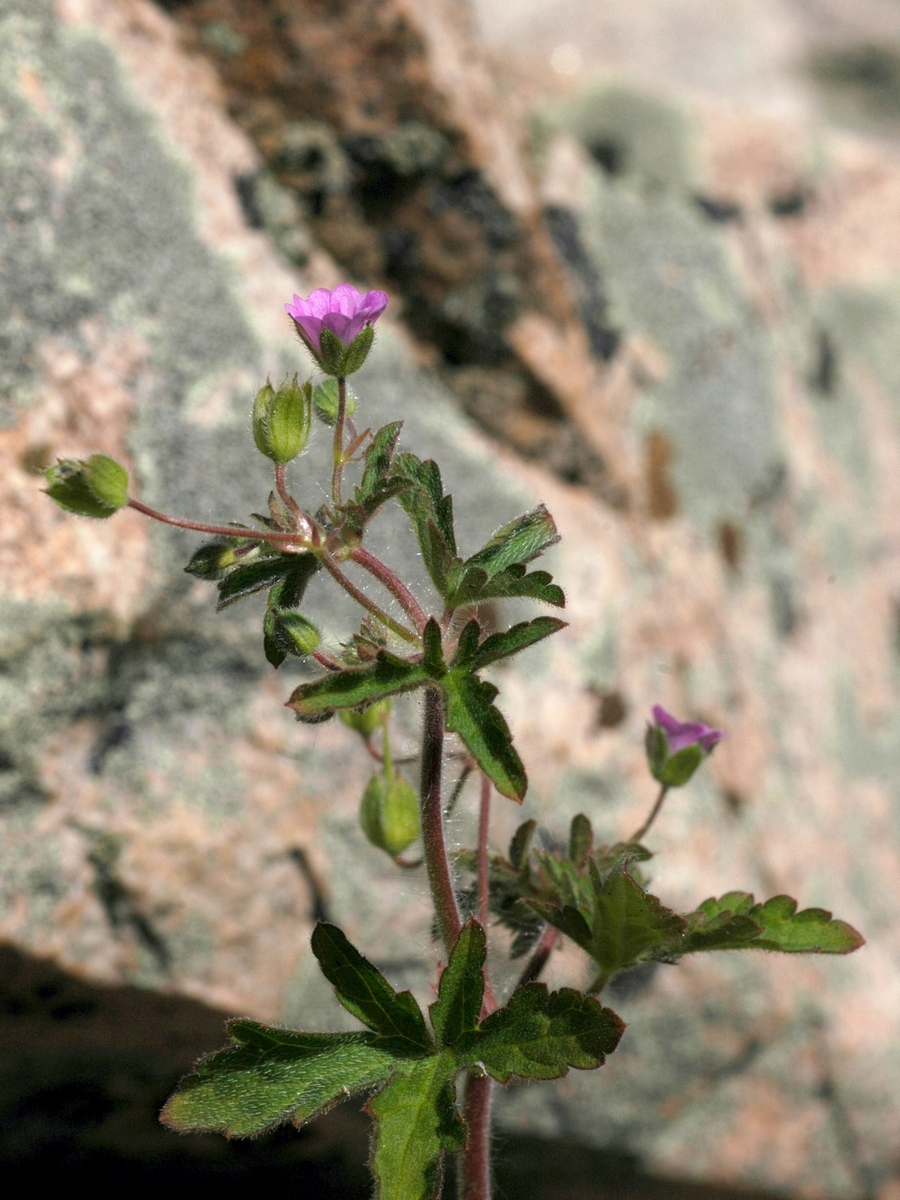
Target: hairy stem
361	598
440	880
475	1167
229	531
393	583
539	958
338	445
285	496
654	813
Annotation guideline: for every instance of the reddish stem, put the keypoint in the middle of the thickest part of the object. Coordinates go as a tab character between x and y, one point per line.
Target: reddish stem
361	598
440	880
229	531
475	1172
286	498
393	583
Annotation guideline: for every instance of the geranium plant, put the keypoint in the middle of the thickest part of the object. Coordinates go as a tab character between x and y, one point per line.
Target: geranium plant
429	1075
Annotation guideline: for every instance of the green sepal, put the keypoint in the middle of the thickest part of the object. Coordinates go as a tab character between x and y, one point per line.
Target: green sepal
357	686
541	1034
389	813
337	359
416	1123
461	989
325	400
364	992
268	1076
358	350
680	768
94	487
471	713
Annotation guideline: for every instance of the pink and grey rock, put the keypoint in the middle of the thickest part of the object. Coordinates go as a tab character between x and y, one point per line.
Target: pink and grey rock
344	312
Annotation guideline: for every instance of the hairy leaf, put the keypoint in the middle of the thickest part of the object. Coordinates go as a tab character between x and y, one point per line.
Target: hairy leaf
472	714
365	992
461	988
735	922
519	637
378	456
417	1122
289	591
520	845
581	840
518	542
388	676
424	500
540	1034
269	1076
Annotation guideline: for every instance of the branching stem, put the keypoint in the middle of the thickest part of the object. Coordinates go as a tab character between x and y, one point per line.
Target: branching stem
393	583
361	598
229	531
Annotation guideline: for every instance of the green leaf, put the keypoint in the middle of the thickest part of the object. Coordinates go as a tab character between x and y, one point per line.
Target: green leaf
541	1034
290	590
461	989
274	653
425	501
433	656
365	993
416	1122
269	1076
519	637
378	456
252	577
325	400
467	646
472	585
518	542
581	840
520	845
472	714
388	676
735	922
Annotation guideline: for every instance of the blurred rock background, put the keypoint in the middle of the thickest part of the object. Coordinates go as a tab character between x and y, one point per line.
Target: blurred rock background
645	265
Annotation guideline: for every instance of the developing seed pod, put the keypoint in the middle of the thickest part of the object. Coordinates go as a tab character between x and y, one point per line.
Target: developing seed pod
389	814
93	487
282	420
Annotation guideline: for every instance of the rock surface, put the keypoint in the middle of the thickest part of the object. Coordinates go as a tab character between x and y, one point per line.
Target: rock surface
155	791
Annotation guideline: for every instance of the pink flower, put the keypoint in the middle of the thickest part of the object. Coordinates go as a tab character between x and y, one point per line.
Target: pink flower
345	312
685	733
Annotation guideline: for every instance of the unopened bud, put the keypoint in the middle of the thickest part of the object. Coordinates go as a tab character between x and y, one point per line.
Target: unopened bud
389	814
282	420
285	632
93	487
325	398
366	720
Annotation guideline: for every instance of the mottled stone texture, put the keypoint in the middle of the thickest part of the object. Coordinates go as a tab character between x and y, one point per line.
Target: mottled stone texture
154	789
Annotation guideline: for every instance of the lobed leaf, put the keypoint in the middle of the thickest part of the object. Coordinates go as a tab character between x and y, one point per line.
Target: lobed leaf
519	637
541	1034
416	1122
518	542
365	993
388	676
269	1076
378	456
471	713
461	989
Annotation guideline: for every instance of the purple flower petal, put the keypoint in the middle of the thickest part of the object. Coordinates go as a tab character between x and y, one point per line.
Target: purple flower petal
685	733
344	311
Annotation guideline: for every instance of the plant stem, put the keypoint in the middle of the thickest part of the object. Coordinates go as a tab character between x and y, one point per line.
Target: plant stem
539	958
654	813
361	598
338	445
475	1166
440	880
281	488
229	531
393	583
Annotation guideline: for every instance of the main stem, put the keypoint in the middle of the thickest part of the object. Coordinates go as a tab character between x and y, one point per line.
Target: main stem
475	1165
440	880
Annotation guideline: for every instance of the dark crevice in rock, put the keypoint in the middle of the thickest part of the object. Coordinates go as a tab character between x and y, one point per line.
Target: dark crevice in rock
720	211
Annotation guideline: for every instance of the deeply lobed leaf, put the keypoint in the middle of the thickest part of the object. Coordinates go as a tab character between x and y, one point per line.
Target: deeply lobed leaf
461	990
736	922
471	713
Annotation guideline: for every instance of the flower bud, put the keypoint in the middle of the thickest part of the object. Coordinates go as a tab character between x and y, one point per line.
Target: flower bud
389	814
675	749
285	631
282	420
325	398
93	487
366	720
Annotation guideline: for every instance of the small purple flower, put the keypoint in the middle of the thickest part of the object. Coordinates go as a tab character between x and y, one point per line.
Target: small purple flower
345	312
685	733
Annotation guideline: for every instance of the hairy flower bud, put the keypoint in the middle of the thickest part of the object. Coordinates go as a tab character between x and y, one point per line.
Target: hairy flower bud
286	631
389	814
282	420
93	487
675	749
